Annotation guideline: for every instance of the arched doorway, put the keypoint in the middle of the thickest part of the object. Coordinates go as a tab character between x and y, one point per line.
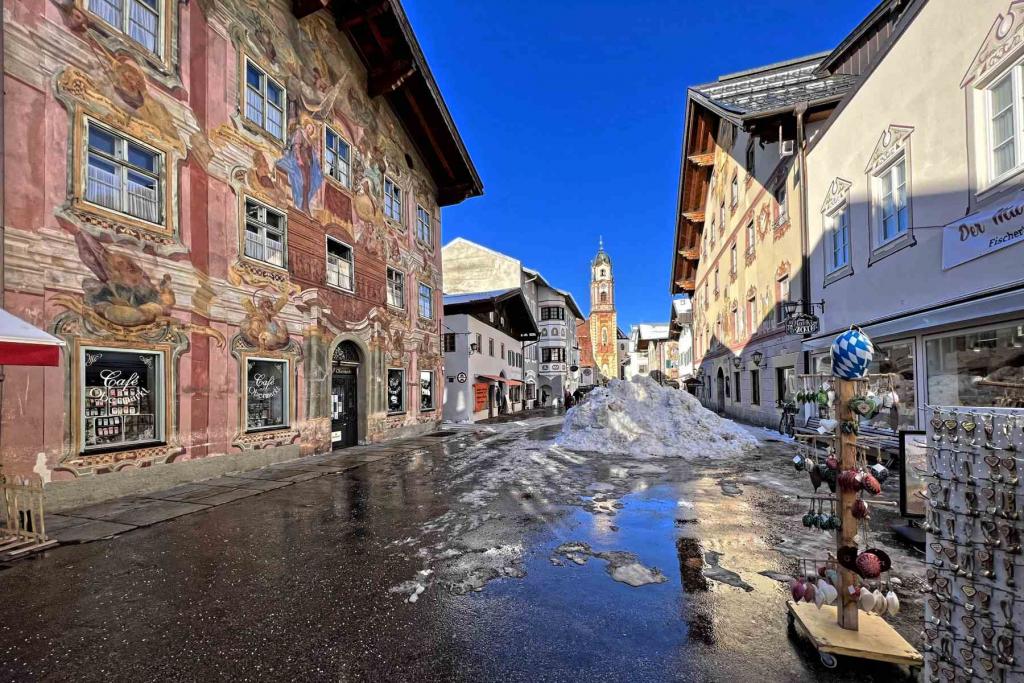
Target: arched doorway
721	391
345	395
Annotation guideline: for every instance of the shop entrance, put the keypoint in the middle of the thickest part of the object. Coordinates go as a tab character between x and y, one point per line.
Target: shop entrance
345	395
721	391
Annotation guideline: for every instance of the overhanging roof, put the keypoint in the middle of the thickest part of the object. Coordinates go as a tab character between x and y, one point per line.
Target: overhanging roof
397	70
518	309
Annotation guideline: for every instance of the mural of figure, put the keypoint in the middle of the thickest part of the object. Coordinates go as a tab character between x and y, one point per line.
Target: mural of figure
302	164
259	328
121	292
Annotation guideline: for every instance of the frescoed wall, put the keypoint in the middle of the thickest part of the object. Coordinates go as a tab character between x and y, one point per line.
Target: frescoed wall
203	203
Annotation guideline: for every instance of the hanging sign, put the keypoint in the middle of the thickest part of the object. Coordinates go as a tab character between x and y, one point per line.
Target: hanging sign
803	323
461	377
983	233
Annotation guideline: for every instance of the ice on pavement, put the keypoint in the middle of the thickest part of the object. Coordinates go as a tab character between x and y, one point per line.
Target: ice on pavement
644	419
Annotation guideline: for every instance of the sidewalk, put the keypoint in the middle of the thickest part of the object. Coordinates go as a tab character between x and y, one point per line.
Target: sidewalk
112	518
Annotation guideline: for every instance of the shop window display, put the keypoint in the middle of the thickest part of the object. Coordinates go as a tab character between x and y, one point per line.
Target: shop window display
396	390
983	368
891	358
121	399
266	394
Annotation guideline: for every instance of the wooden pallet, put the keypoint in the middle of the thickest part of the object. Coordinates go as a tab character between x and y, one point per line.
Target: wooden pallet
875	639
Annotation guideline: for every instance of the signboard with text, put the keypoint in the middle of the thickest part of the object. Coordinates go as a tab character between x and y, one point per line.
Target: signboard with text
983	233
803	323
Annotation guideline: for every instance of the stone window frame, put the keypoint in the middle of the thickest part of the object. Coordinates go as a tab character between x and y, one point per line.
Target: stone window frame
346	182
245	60
352	264
163	62
893	147
288	387
244	218
837	202
388	287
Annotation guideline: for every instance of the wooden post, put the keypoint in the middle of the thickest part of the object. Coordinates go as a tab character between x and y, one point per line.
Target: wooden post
846	390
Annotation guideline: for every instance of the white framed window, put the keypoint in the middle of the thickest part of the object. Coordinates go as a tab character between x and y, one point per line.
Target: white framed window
733	260
781	298
424	226
392	200
396	390
892	213
1004	125
837	241
781	203
426	390
711	234
734	191
396	288
751	237
123	174
340	265
337	157
122	398
264	100
138	19
265	230
266	394
426	301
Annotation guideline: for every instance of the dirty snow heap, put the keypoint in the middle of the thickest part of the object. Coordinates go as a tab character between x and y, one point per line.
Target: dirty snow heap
643	419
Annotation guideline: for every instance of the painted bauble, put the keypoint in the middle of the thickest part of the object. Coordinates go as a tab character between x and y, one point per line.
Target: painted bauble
859	509
832	462
893	603
819	596
851	354
868	565
871	485
796	589
880	604
849	481
809	592
866	601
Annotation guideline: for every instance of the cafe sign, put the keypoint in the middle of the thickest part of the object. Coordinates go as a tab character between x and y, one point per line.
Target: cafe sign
803	323
982	233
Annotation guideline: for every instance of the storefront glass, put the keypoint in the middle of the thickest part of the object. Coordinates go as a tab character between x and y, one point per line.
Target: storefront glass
426	390
891	358
396	390
983	367
121	399
266	394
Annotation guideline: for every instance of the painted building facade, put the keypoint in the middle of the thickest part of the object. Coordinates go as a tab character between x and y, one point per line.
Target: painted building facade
603	317
230	212
916	231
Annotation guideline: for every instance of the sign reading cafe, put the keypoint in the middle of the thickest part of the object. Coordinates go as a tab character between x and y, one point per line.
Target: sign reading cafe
983	233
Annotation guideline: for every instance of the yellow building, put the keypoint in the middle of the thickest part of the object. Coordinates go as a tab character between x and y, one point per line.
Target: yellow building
602	321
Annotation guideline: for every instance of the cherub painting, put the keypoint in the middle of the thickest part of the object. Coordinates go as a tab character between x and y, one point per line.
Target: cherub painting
259	328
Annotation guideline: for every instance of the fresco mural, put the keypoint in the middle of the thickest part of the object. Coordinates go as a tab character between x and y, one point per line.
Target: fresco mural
180	285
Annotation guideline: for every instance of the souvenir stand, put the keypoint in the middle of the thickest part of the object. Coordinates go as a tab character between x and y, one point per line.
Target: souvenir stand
974	613
838	602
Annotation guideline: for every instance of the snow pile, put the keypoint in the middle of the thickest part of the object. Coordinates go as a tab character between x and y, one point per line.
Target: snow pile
643	419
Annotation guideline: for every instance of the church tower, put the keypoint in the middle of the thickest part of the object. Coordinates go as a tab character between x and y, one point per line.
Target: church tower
603	323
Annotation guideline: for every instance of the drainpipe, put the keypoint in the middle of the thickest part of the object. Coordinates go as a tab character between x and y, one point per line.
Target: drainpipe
3	212
805	258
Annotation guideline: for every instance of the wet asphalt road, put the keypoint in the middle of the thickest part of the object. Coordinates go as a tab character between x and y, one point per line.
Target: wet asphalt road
317	581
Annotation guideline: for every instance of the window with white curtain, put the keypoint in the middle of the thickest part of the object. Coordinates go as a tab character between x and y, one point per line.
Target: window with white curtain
892	214
264	233
122	174
339	264
1004	124
264	100
137	19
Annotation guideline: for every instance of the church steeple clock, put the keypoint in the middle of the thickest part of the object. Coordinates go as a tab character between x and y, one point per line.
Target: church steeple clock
603	324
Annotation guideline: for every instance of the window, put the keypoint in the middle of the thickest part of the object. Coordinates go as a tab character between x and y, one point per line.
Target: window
750	157
137	19
264	233
736	383
604	335
733	261
781	204
982	367
426	390
123	175
1004	112
751	237
837	229
752	322
396	288
552	313
711	235
785	381
734	192
392	200
396	390
122	398
339	264
737	323
490	347
424	228
892	214
337	158
426	301
264	101
716	280
721	217
448	343
552	354
755	387
895	358
479	343
503	348
781	297
266	394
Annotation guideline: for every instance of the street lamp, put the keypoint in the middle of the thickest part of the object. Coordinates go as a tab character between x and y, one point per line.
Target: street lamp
736	362
757	357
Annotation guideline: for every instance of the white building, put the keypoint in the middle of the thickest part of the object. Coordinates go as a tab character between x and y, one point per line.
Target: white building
917	217
484	340
681	329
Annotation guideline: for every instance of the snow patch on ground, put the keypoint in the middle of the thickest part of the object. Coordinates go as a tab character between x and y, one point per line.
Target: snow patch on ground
644	419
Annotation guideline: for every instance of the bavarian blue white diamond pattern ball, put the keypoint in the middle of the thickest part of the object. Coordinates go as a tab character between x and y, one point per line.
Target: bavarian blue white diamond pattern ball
851	354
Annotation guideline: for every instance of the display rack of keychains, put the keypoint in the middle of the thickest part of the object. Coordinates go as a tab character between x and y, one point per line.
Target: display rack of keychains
852	579
974	611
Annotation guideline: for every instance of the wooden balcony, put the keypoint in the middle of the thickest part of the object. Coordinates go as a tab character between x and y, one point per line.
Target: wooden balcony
691	254
687	285
696	217
702	160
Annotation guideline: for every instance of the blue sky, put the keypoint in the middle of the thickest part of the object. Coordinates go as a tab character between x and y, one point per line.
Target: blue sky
573	113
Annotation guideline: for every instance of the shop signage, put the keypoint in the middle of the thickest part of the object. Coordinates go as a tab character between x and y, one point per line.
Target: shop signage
461	377
480	396
803	323
982	233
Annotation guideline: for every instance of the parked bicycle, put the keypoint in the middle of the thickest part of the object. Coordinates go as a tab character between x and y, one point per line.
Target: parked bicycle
787	423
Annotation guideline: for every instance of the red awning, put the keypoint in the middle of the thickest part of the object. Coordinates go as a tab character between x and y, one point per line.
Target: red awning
23	344
496	378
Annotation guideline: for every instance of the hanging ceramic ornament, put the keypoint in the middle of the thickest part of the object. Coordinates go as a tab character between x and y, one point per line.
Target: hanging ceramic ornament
860	509
816	478
880	604
869	565
809	592
849	481
893	602
866	601
819	595
797	589
871	485
851	354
